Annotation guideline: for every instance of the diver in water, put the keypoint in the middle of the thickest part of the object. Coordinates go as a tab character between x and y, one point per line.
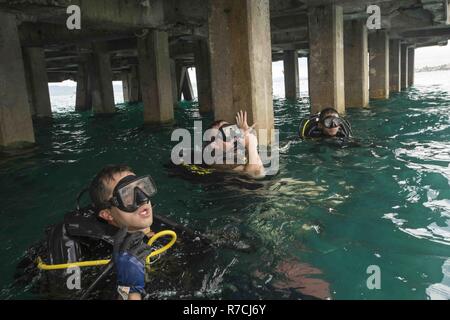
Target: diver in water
329	127
230	148
326	124
123	201
116	224
235	147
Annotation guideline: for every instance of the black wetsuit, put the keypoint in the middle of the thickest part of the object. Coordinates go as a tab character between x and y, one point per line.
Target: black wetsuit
82	236
309	128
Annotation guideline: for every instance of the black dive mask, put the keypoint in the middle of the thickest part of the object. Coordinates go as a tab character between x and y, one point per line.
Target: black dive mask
132	192
229	131
331	122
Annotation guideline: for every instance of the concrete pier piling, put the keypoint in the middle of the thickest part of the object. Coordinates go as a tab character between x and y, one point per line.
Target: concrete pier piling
356	64
149	45
173	77
411	65
135	93
203	75
101	75
326	57
404	67
379	65
15	116
124	76
394	65
83	100
291	74
38	81
186	86
241	61
155	79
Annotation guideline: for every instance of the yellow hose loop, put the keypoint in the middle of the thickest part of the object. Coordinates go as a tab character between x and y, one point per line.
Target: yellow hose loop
304	128
93	263
160	250
42	266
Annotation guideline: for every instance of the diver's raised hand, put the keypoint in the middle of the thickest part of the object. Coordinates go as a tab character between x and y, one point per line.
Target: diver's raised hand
241	121
129	252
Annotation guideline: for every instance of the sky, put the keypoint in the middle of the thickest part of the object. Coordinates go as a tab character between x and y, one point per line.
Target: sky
432	56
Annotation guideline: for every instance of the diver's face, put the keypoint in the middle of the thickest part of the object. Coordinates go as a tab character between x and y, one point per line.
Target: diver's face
221	144
140	219
330	132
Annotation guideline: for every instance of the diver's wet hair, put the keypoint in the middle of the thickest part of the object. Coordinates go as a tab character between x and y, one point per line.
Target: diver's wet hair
327	112
216	124
98	190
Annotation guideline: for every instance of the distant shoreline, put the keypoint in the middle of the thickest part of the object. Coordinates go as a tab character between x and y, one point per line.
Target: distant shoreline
443	67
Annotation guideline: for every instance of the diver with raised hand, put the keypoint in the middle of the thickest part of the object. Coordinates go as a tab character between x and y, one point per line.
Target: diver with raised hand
235	147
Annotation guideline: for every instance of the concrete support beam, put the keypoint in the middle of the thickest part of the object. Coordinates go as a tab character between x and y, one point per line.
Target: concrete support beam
173	77
29	85
411	65
394	65
83	100
326	58
356	64
203	74
404	67
16	126
241	62
39	81
379	65
186	88
102	87
155	79
125	86
180	72
135	94
291	78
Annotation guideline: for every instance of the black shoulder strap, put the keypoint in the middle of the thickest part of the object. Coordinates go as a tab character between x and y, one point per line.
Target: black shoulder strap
347	128
85	223
307	124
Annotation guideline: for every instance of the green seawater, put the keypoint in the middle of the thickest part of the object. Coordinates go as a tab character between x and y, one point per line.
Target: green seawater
314	228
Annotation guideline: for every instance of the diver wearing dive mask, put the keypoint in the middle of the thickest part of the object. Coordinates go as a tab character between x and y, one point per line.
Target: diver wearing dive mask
123	200
131	192
326	124
331	122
